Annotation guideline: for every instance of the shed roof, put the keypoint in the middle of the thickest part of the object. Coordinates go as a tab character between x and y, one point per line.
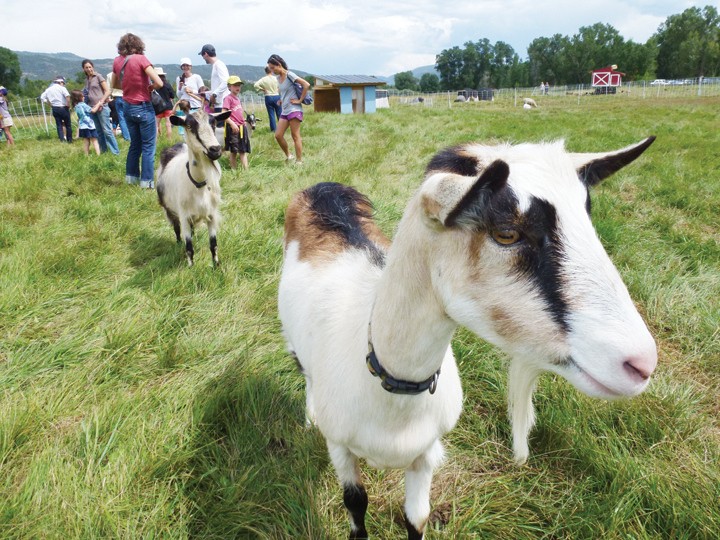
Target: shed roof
609	69
343	80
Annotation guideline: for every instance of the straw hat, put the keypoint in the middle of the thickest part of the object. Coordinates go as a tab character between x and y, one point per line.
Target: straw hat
159	71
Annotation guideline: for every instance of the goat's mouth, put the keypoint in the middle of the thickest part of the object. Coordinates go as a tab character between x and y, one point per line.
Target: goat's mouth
214	153
587	383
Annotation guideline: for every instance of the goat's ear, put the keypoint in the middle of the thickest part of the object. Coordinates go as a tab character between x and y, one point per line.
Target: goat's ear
594	168
222	115
177	120
446	197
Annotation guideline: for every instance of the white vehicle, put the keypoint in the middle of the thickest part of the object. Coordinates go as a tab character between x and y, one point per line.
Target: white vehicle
659	81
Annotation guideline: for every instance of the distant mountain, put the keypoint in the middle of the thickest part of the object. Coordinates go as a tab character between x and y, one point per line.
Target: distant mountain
47	66
417	73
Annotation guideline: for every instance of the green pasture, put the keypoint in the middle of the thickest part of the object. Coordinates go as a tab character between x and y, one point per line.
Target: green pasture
142	399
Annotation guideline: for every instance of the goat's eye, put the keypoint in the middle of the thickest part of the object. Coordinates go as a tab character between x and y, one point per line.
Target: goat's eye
505	237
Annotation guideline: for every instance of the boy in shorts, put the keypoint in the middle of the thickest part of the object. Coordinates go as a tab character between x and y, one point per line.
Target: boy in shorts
237	138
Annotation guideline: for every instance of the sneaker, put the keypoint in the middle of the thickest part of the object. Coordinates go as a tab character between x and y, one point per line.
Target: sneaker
147	185
289	158
298	163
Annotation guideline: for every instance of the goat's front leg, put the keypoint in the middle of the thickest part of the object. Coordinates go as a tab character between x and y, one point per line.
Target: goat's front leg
521	386
175	222
355	497
186	231
212	233
418	479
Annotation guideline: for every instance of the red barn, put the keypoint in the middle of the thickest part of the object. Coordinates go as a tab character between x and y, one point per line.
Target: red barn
606	77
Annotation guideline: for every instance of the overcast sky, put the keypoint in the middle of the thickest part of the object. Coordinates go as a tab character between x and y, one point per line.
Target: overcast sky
348	37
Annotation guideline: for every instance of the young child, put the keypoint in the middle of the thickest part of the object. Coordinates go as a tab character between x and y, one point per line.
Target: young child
237	139
206	102
6	121
86	125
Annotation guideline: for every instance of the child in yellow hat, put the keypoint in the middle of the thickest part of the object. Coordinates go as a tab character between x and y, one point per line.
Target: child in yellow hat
237	138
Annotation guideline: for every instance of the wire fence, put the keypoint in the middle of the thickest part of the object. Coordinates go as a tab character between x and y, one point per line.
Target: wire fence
579	94
31	119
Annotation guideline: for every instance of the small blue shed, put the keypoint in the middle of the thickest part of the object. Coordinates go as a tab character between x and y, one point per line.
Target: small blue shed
345	94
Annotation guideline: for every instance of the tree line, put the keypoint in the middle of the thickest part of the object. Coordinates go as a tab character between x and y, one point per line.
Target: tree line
686	45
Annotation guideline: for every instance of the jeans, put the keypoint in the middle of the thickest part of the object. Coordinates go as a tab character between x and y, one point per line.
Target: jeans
272	103
62	116
103	126
120	105
140	120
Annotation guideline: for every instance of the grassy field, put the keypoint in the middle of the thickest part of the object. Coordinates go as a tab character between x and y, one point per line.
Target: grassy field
142	399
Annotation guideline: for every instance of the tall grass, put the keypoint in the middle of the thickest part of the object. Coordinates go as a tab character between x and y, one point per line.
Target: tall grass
141	399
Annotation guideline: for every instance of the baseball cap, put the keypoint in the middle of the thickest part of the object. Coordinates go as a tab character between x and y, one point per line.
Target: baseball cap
60	79
208	49
186	61
234	79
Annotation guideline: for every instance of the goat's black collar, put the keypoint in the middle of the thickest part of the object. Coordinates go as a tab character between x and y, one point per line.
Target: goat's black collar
393	385
197	184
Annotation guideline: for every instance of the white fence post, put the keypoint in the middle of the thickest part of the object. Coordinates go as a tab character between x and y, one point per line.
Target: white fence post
45	117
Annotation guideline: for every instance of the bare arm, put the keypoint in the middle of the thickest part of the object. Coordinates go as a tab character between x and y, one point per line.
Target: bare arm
306	87
106	94
157	81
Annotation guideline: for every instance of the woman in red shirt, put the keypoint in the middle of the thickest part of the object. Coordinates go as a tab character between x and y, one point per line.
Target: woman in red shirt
134	73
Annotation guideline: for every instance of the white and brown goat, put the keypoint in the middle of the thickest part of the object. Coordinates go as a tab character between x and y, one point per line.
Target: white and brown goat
497	239
188	180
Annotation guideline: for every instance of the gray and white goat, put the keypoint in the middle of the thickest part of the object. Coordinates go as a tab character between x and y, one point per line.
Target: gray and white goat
188	180
497	239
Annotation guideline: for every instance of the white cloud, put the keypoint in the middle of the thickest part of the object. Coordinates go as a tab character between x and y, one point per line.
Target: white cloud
321	36
146	14
286	47
401	61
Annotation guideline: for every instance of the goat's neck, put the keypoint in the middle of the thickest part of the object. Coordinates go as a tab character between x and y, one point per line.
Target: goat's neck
410	330
202	168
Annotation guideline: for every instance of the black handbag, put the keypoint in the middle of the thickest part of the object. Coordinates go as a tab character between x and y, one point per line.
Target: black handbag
158	103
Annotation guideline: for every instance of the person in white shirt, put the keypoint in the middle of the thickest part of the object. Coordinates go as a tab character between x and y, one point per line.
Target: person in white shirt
218	78
188	87
58	97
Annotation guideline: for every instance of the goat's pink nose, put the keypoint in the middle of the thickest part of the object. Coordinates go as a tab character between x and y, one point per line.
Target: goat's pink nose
641	367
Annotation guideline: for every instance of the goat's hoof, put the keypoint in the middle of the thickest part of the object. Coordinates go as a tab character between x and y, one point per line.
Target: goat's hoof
359	535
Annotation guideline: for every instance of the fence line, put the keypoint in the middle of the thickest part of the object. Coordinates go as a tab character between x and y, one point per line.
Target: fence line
634	90
30	118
